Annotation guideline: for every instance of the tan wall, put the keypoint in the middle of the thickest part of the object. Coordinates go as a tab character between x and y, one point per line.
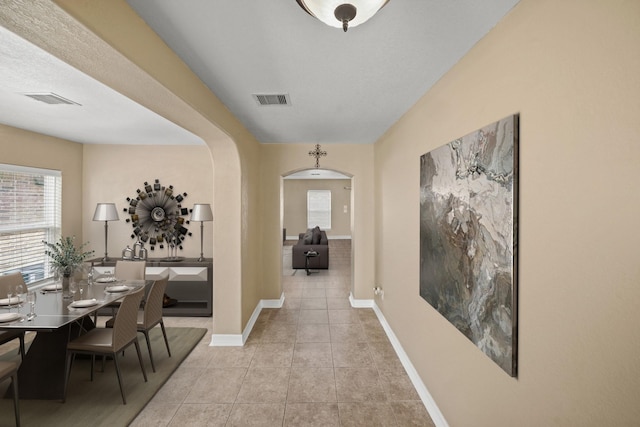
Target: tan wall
24	148
130	58
295	205
114	172
108	173
278	160
570	68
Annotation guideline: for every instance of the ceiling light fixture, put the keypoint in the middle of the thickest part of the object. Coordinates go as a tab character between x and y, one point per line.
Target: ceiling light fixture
336	13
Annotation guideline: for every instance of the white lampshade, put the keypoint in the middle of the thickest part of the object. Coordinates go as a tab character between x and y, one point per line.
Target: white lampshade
324	10
201	212
106	212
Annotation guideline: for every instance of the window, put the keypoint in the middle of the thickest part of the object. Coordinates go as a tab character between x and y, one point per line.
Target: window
319	209
30	212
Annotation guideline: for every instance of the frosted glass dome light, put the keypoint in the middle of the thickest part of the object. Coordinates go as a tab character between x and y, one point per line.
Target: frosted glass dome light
337	13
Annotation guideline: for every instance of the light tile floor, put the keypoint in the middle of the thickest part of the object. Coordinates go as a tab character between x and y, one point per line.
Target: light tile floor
314	362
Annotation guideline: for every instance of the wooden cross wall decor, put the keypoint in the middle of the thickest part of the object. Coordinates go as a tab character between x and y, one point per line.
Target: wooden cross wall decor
317	153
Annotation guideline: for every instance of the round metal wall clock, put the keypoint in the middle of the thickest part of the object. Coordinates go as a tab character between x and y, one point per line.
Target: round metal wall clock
157	216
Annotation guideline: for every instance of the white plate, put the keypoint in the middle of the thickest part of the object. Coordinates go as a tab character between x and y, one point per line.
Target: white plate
14	301
117	288
83	303
9	317
54	287
106	279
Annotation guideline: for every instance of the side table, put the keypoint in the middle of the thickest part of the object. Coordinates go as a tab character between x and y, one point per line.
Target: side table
309	254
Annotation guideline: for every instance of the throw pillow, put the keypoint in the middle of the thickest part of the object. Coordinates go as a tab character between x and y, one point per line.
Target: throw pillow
308	237
317	236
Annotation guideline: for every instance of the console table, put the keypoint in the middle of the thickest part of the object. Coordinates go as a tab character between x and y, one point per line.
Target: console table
190	283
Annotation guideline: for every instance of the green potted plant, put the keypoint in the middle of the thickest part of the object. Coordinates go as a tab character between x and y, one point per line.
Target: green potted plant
66	259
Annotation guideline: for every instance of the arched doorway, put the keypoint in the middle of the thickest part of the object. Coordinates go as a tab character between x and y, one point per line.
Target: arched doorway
296	215
151	87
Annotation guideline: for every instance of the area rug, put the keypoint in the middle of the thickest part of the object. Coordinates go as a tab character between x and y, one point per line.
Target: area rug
98	402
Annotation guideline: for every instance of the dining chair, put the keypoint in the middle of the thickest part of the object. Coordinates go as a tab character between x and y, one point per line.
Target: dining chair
130	270
151	315
8	282
110	341
10	370
125	270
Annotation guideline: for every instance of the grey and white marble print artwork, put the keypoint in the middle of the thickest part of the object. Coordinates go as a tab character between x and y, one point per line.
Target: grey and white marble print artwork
468	236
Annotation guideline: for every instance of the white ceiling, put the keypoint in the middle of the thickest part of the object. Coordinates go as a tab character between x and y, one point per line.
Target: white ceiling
103	116
343	87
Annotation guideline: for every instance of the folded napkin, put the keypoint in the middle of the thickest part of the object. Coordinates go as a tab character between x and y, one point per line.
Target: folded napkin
83	303
11	301
106	279
52	288
9	317
117	288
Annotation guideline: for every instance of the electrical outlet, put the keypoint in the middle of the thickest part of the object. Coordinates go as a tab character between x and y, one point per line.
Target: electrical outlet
378	292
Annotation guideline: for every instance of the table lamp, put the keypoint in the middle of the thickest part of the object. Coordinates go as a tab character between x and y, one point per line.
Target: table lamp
106	212
201	212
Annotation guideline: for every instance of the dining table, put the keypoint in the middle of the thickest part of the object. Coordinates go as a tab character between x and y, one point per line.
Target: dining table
58	319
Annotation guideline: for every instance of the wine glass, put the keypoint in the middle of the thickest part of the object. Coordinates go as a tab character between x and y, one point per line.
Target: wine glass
19	292
90	276
73	288
9	295
31	299
80	289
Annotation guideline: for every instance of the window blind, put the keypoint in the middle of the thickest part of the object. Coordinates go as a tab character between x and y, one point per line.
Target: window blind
319	209
30	212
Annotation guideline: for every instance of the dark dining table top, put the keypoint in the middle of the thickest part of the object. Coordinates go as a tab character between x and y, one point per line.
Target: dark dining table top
53	311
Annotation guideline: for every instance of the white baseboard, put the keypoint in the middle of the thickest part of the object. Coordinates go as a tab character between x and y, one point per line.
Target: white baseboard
272	303
238	340
425	396
226	340
360	303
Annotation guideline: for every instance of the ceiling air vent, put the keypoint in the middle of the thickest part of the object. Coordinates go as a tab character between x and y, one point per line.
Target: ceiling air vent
274	99
50	98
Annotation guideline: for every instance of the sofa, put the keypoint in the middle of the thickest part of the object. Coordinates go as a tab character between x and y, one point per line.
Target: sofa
313	239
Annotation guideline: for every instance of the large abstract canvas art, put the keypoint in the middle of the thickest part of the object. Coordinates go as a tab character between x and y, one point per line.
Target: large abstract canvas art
468	237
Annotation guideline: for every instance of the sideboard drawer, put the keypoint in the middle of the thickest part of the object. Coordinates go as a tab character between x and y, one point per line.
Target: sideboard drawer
156	273
188	274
